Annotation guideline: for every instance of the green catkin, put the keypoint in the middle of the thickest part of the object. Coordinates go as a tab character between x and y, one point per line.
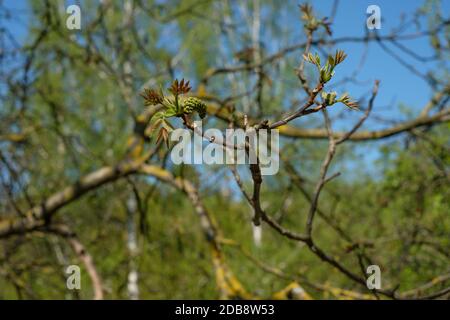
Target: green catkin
194	104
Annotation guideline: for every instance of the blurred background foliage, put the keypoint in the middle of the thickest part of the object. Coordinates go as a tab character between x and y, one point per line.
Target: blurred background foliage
75	95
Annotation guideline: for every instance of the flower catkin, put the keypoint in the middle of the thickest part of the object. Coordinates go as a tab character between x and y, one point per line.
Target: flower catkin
194	104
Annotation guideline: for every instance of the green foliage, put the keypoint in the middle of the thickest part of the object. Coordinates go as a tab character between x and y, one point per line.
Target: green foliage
82	105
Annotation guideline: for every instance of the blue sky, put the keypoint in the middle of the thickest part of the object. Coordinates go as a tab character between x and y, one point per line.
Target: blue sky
398	84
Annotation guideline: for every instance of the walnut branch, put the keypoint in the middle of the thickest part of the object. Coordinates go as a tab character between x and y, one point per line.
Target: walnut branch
289	131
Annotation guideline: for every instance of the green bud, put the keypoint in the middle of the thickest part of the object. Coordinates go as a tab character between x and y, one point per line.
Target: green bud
329	98
326	73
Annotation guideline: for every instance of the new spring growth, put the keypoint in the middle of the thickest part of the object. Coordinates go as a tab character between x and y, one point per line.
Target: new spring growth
329	98
345	99
326	71
174	105
311	22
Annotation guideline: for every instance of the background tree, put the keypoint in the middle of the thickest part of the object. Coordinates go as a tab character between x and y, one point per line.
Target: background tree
364	178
